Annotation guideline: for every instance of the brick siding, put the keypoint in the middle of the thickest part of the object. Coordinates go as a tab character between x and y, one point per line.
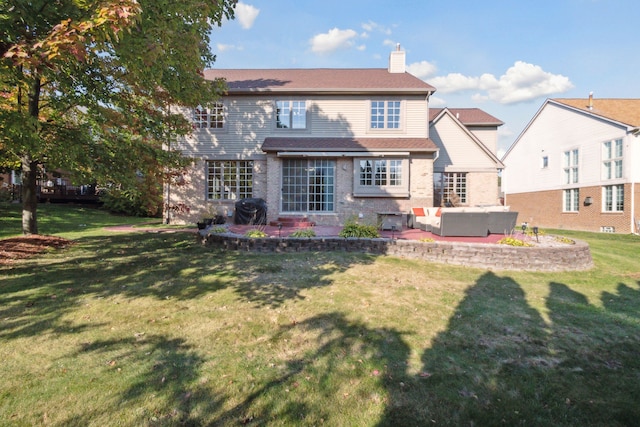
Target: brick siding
544	209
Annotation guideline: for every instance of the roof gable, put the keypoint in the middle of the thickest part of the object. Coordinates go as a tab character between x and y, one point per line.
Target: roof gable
446	112
626	111
622	111
468	116
319	80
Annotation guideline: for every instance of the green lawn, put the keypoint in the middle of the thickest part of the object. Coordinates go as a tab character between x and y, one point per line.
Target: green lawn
152	329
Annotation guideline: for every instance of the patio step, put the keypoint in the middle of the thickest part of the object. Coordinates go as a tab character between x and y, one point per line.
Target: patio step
292	221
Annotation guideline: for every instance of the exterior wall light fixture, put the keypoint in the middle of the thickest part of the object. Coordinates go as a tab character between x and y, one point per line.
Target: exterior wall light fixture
588	201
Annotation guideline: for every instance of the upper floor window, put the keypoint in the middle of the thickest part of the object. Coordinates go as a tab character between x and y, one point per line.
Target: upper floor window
291	114
385	114
571	166
544	162
212	117
612	159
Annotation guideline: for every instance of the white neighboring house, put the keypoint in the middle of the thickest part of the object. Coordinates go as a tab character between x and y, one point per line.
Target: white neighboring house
327	145
577	166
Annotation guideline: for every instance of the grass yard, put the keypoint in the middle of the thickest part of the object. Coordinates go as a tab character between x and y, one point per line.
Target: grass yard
152	329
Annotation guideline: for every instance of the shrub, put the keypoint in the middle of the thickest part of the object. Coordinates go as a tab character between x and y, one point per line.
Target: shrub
5	195
353	229
143	200
512	241
255	233
303	233
566	240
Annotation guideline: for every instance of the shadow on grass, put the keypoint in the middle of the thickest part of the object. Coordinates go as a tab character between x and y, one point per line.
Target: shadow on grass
36	294
167	369
499	361
349	360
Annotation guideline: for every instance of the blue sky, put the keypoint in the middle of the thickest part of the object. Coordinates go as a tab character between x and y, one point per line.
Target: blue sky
505	57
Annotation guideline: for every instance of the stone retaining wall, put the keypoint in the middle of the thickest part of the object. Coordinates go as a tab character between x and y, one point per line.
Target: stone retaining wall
563	257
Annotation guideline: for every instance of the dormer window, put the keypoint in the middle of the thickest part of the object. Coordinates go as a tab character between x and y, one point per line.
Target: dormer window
291	115
209	118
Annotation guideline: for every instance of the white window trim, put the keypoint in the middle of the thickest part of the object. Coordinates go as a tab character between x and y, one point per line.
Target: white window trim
309	165
572	169
373	190
614	198
228	193
439	188
306	127
209	109
611	160
544	162
575	196
401	123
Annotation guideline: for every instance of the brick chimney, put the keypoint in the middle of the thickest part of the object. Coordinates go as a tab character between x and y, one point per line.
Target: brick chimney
397	60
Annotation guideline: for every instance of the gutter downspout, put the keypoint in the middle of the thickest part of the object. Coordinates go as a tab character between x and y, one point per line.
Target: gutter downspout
634	228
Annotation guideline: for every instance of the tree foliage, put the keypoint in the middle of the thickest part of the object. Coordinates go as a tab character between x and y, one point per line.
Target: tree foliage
92	86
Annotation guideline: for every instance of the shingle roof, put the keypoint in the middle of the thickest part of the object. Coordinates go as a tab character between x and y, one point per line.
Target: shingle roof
348	144
319	80
468	116
621	110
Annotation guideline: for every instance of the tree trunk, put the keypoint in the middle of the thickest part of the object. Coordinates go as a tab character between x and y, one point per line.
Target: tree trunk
29	196
30	166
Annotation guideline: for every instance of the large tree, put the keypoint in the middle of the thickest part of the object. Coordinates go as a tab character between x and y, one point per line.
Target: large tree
88	86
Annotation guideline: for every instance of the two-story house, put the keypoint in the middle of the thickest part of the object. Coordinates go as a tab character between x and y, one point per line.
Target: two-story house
576	165
329	145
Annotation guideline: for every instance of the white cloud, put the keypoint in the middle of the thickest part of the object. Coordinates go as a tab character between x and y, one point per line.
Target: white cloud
505	132
246	15
434	101
521	82
333	40
389	42
373	26
422	69
455	82
221	47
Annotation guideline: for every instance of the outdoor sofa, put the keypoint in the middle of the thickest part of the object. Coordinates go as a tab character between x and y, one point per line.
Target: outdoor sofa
477	221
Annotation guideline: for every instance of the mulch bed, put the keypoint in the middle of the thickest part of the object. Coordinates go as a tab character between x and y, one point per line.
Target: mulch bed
17	248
